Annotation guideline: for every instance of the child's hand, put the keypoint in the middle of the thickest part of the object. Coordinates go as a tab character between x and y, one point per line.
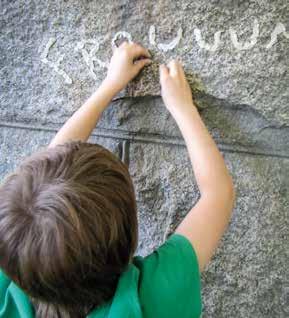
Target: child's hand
125	64
175	89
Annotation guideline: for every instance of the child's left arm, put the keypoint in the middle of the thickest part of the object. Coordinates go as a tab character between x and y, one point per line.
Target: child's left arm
124	66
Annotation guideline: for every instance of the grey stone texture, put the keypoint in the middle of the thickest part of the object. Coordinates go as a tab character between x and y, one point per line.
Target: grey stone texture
242	96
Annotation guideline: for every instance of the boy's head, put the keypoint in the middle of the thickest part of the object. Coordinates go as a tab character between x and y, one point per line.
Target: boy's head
68	226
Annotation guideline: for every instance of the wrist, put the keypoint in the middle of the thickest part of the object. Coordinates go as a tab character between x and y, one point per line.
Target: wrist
184	111
102	97
111	86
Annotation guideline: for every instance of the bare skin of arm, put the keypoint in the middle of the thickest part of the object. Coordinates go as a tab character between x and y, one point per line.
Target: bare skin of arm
206	222
124	66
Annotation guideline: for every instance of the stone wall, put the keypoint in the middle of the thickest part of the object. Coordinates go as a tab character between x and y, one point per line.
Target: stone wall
55	53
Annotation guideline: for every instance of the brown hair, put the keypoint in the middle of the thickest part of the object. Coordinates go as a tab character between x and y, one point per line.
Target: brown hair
68	227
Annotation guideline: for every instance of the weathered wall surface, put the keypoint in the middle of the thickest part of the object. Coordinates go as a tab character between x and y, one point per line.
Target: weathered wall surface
236	56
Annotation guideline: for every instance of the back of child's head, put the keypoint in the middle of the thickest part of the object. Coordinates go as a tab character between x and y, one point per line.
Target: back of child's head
68	227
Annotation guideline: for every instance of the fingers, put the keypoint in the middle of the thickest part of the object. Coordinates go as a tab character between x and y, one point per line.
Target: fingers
164	72
141	63
122	45
138	50
180	68
174	68
135	49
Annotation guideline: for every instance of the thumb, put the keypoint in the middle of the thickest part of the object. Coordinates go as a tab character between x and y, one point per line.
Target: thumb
141	63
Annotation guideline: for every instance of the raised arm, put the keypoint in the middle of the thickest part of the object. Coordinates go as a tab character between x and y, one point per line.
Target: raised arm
206	222
125	64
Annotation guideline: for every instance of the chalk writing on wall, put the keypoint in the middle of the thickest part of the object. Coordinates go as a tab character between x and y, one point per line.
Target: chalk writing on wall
279	29
88	48
89	55
164	46
203	45
246	45
54	65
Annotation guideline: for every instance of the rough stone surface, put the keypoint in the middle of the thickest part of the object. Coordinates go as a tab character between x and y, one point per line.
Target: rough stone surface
242	95
256	76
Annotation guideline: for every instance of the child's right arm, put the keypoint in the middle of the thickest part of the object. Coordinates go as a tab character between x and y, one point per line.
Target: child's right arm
205	224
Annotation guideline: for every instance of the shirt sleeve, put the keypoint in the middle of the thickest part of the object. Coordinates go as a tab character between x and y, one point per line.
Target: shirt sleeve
13	302
169	284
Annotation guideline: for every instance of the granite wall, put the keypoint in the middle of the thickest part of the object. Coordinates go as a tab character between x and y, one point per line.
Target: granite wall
53	54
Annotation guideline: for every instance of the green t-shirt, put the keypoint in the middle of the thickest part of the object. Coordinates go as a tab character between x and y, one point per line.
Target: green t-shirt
164	284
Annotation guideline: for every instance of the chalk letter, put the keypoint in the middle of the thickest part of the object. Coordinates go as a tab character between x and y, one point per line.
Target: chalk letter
54	65
279	29
119	35
89	56
202	44
164	46
246	45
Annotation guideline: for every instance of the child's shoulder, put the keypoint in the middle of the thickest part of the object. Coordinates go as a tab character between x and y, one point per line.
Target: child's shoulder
169	280
165	283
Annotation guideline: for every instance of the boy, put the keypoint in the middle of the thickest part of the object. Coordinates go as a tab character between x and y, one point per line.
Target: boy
68	219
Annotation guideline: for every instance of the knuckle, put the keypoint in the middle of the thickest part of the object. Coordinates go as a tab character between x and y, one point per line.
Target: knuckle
123	44
137	46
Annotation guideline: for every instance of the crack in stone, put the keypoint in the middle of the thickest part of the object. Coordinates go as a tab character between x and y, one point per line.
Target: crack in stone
159	139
